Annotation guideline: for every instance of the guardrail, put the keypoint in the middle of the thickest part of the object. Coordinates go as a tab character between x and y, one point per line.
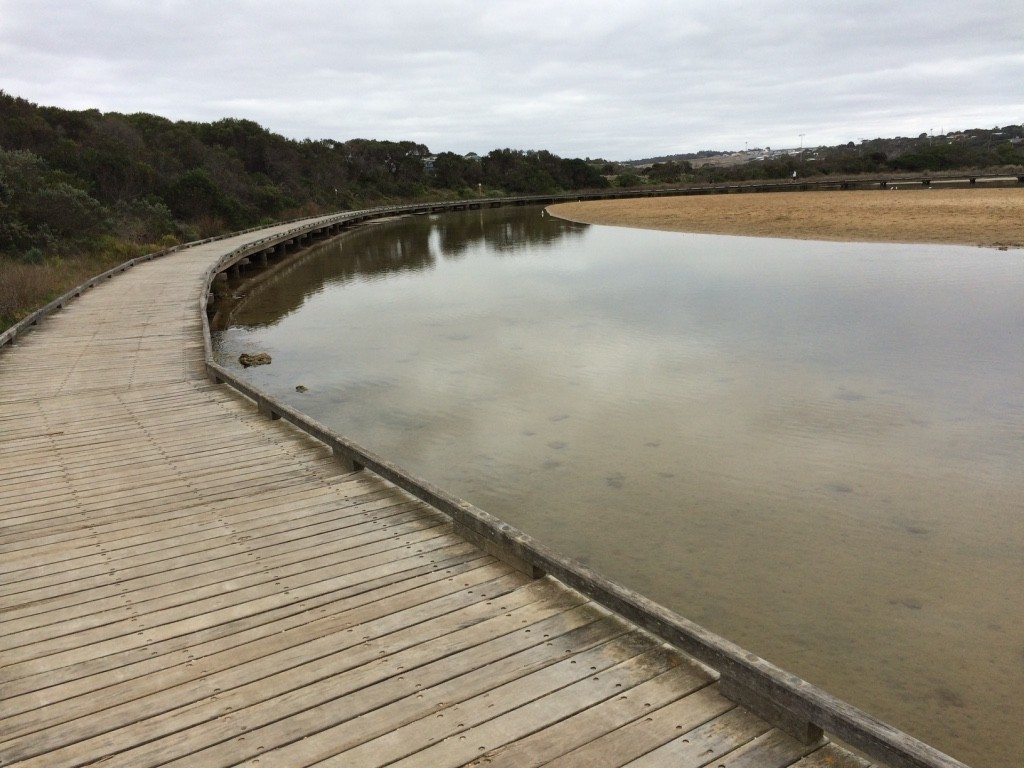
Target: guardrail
781	698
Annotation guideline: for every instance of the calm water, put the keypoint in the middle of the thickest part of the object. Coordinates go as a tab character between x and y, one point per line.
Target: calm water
814	449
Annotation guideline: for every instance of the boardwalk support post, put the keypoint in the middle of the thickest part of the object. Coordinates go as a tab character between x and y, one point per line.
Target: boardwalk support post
495	549
770	711
265	407
346	460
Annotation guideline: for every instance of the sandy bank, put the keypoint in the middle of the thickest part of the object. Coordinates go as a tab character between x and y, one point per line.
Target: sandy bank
985	217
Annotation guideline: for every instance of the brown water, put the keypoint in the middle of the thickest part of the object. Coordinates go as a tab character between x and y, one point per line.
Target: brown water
814	449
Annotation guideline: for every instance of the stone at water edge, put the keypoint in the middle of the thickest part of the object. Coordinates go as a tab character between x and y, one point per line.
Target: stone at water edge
260	358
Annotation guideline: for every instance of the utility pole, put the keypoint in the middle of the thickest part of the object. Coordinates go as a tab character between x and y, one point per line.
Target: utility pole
802	142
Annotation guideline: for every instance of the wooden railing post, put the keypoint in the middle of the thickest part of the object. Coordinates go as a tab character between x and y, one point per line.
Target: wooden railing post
769	710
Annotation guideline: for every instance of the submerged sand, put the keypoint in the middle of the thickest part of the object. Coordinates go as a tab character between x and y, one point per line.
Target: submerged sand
984	217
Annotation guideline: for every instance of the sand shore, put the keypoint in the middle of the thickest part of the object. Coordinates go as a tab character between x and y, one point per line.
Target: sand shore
984	217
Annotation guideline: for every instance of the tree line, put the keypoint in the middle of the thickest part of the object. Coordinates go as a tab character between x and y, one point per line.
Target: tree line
82	190
71	181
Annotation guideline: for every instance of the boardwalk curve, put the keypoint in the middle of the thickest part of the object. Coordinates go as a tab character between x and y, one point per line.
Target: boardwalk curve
185	581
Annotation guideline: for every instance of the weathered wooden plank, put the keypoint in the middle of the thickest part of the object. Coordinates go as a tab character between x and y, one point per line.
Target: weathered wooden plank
460	660
98	605
137	461
831	756
704	744
192	640
251	482
457	719
557	739
124	531
462	747
404	526
353	621
192	533
270	544
134	618
775	749
385	729
338	642
123	636
348	488
652	729
106	435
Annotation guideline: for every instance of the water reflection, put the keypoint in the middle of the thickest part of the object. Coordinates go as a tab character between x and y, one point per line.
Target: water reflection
417	245
816	449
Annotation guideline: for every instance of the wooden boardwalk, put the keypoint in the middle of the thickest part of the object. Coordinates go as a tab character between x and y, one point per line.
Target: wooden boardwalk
186	582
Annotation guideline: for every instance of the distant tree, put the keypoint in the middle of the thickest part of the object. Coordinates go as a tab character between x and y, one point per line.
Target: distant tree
452	171
194	195
22	124
39	209
579	174
1010	154
668	173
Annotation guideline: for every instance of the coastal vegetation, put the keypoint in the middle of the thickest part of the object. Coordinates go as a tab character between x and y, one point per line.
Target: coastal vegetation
81	191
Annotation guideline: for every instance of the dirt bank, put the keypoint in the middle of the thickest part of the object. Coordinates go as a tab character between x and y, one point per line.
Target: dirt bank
986	217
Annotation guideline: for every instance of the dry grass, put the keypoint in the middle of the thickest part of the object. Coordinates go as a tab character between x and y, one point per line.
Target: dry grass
22	285
985	217
24	288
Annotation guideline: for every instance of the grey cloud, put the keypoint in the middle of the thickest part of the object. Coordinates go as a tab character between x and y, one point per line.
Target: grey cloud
591	78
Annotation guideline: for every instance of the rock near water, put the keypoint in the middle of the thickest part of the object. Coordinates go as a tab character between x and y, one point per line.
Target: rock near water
260	358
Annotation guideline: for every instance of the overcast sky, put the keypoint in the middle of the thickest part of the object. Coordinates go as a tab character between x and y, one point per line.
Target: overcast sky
616	79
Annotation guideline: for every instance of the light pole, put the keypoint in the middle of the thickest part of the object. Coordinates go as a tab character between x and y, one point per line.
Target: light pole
802	142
